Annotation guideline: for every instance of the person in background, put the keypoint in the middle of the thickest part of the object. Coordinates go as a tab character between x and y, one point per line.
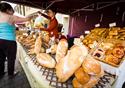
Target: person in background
53	24
8	45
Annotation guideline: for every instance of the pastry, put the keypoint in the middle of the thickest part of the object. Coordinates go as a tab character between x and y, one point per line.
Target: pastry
99	53
118	52
112	59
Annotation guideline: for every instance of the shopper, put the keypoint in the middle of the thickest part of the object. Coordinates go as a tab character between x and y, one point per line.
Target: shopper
53	25
8	46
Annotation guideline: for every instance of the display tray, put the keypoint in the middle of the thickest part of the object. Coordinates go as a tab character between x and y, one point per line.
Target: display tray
105	82
103	55
114	65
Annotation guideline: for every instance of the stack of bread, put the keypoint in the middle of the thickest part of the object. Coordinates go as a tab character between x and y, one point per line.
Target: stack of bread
44	59
67	65
88	75
21	38
116	33
60	50
27	40
94	35
37	46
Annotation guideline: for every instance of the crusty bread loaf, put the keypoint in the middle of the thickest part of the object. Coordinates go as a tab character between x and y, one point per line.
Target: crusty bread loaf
91	66
92	82
82	76
61	49
70	63
45	60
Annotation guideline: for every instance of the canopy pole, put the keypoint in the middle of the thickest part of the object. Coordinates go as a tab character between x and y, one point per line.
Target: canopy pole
86	8
52	2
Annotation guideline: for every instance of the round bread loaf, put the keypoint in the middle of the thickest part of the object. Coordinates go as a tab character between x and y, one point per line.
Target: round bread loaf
91	66
82	76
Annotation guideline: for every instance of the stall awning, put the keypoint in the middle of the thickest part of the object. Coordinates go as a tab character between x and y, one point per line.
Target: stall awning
68	6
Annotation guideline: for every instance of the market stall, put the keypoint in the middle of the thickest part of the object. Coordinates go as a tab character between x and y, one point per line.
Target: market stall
45	75
92	61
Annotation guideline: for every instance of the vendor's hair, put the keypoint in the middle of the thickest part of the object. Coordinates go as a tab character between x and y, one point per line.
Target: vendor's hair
4	7
53	9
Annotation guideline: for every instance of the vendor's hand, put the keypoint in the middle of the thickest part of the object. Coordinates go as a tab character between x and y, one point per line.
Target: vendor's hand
42	29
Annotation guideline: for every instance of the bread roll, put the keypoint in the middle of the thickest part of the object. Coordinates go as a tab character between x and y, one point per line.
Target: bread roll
82	76
61	49
70	63
91	66
91	83
45	60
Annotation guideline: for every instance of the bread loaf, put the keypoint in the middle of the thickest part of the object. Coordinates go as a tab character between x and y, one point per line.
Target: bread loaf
61	49
82	76
70	63
45	60
91	66
93	80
